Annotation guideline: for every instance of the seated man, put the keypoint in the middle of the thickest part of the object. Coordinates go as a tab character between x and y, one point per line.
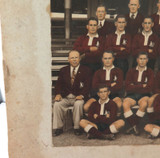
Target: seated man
110	76
104	27
91	46
146	41
154	116
120	43
134	18
139	85
72	89
101	121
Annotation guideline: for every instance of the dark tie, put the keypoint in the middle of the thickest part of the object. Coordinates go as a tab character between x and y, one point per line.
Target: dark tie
73	76
100	24
132	16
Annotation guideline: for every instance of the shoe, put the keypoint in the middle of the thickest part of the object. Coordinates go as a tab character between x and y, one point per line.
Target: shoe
149	136
57	132
110	137
77	132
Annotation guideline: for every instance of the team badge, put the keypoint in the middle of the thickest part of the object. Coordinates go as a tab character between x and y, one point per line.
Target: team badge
151	44
115	78
146	79
124	42
97	44
81	85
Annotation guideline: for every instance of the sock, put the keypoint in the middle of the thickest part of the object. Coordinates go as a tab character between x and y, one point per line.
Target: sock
95	133
130	117
139	116
155	132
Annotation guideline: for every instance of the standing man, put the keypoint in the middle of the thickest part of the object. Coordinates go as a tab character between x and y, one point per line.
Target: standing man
72	89
120	43
104	27
146	41
110	76
102	114
91	46
134	18
139	84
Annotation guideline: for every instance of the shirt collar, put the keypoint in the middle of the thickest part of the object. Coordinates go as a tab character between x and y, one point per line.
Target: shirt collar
143	70
104	102
122	33
135	14
76	68
148	34
96	35
110	68
102	22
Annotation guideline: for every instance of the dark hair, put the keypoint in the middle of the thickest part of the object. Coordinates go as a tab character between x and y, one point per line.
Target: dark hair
92	18
120	16
108	51
101	5
148	17
103	86
142	53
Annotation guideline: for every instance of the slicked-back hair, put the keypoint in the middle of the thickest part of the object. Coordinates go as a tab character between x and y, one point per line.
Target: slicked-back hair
73	51
148	17
142	53
102	86
120	16
92	18
108	51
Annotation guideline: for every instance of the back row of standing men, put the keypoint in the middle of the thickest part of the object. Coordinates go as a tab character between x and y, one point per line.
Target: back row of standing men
98	44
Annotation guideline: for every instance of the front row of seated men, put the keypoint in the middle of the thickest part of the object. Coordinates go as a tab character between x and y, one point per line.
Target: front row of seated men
74	86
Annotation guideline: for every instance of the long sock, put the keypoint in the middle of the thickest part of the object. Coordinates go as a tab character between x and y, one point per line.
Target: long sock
130	118
95	133
139	116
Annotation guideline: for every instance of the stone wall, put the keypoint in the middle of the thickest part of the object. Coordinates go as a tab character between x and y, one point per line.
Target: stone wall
27	61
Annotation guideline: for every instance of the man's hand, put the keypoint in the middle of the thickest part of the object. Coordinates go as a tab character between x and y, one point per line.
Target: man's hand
150	50
83	56
122	48
58	97
113	84
95	116
79	97
93	48
144	85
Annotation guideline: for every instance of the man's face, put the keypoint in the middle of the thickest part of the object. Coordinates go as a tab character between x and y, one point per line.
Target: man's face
74	58
158	5
147	24
134	6
120	24
92	27
142	60
107	59
103	93
101	13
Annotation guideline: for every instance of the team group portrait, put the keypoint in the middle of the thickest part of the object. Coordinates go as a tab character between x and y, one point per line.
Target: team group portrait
109	86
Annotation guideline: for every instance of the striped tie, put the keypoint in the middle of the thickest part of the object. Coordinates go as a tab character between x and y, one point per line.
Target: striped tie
73	76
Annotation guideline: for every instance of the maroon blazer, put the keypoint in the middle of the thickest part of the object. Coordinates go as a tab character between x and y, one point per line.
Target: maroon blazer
110	107
156	27
134	25
81	45
125	42
156	106
157	83
138	45
116	75
133	86
81	85
106	29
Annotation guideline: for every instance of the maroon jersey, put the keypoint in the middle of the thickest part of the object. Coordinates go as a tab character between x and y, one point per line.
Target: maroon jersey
81	45
156	27
157	83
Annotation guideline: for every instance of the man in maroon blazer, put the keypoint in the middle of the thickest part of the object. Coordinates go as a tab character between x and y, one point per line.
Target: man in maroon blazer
153	128
72	89
134	18
91	46
138	85
120	43
104	27
146	41
110	76
102	123
156	20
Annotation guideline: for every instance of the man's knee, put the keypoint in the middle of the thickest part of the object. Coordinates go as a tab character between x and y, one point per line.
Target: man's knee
82	123
118	101
78	104
126	104
148	127
143	104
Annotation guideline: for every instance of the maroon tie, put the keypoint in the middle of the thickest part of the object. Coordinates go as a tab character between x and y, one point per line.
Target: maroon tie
132	16
100	24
